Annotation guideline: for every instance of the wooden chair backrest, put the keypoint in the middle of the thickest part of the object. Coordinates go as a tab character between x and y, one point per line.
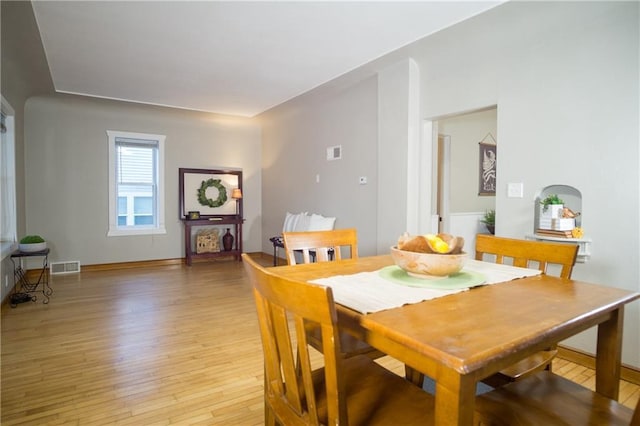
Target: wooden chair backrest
283	306
320	242
524	252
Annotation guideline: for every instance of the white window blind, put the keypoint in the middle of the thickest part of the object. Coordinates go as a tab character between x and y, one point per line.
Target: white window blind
136	173
136	202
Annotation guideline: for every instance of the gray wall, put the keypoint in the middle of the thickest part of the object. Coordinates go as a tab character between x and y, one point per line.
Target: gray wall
24	72
465	132
294	153
66	182
564	77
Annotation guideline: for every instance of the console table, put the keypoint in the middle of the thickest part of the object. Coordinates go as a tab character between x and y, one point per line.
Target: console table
235	223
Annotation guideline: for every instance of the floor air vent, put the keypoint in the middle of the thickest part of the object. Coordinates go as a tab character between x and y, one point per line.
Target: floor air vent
64	267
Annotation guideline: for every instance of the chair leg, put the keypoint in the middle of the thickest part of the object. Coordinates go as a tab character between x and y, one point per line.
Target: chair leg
414	376
275	254
269	416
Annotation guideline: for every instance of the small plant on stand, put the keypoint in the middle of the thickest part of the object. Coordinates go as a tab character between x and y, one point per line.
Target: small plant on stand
32	243
32	239
489	219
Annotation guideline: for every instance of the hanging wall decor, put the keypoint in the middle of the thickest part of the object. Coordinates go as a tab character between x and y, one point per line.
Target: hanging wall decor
487	167
206	191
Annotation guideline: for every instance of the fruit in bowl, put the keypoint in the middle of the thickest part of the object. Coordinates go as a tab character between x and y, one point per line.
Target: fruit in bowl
431	243
429	256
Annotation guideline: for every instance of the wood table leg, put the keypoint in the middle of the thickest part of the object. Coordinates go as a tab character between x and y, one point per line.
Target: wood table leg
608	355
455	399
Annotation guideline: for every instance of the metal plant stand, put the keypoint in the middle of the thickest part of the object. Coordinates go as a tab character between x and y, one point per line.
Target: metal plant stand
24	288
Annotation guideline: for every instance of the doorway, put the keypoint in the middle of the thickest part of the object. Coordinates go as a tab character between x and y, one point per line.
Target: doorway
459	206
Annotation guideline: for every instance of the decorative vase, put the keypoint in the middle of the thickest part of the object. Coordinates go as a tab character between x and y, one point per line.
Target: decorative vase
227	241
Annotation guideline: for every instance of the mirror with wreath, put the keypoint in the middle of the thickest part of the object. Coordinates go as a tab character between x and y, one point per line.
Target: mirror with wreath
209	192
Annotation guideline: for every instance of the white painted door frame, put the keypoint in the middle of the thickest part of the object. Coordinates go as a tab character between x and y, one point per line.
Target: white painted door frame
443	183
428	220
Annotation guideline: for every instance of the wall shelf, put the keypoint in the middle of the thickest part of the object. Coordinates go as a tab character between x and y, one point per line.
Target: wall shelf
572	198
584	244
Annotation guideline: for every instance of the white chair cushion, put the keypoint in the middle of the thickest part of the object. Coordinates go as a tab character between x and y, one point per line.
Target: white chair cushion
288	222
302	225
291	221
321	223
302	222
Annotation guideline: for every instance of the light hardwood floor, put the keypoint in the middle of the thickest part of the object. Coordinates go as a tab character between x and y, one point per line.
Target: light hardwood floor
148	346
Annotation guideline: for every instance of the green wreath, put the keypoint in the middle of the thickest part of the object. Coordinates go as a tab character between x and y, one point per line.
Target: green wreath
202	193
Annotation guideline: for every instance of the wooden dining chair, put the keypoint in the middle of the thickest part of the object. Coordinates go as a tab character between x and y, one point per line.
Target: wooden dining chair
526	254
549	399
320	244
353	391
324	243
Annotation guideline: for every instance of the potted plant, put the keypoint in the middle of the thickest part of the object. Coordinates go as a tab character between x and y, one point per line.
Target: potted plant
489	219
551	209
551	200
32	243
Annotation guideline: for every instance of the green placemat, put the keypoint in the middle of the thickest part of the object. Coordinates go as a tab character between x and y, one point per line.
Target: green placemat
463	279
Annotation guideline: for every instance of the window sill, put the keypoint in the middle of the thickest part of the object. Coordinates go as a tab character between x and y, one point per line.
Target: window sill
7	248
139	231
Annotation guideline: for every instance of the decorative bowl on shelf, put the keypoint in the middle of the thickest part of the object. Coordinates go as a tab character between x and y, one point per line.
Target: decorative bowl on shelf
428	265
33	247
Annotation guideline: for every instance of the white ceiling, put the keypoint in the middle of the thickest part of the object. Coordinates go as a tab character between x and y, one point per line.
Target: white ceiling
230	57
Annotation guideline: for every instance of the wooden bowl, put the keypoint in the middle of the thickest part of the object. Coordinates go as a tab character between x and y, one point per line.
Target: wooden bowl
428	265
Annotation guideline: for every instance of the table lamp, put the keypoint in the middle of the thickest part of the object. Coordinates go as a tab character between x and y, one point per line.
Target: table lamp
236	194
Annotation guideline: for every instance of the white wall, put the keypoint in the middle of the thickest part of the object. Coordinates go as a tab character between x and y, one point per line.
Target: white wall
564	77
66	179
468	225
398	137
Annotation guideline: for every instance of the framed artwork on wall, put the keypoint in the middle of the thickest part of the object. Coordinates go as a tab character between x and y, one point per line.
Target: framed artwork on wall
487	168
208	192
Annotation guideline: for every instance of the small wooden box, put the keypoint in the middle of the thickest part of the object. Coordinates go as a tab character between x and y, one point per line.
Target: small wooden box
208	241
553	211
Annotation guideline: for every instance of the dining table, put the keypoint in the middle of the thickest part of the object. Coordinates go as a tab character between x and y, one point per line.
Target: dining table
460	337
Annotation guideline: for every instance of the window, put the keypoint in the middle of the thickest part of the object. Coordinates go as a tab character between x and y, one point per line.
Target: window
8	179
136	183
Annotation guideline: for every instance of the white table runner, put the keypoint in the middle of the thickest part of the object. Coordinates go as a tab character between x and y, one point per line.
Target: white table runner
368	292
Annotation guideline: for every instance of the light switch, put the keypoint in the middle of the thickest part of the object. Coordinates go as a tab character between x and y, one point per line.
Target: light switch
334	153
515	190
